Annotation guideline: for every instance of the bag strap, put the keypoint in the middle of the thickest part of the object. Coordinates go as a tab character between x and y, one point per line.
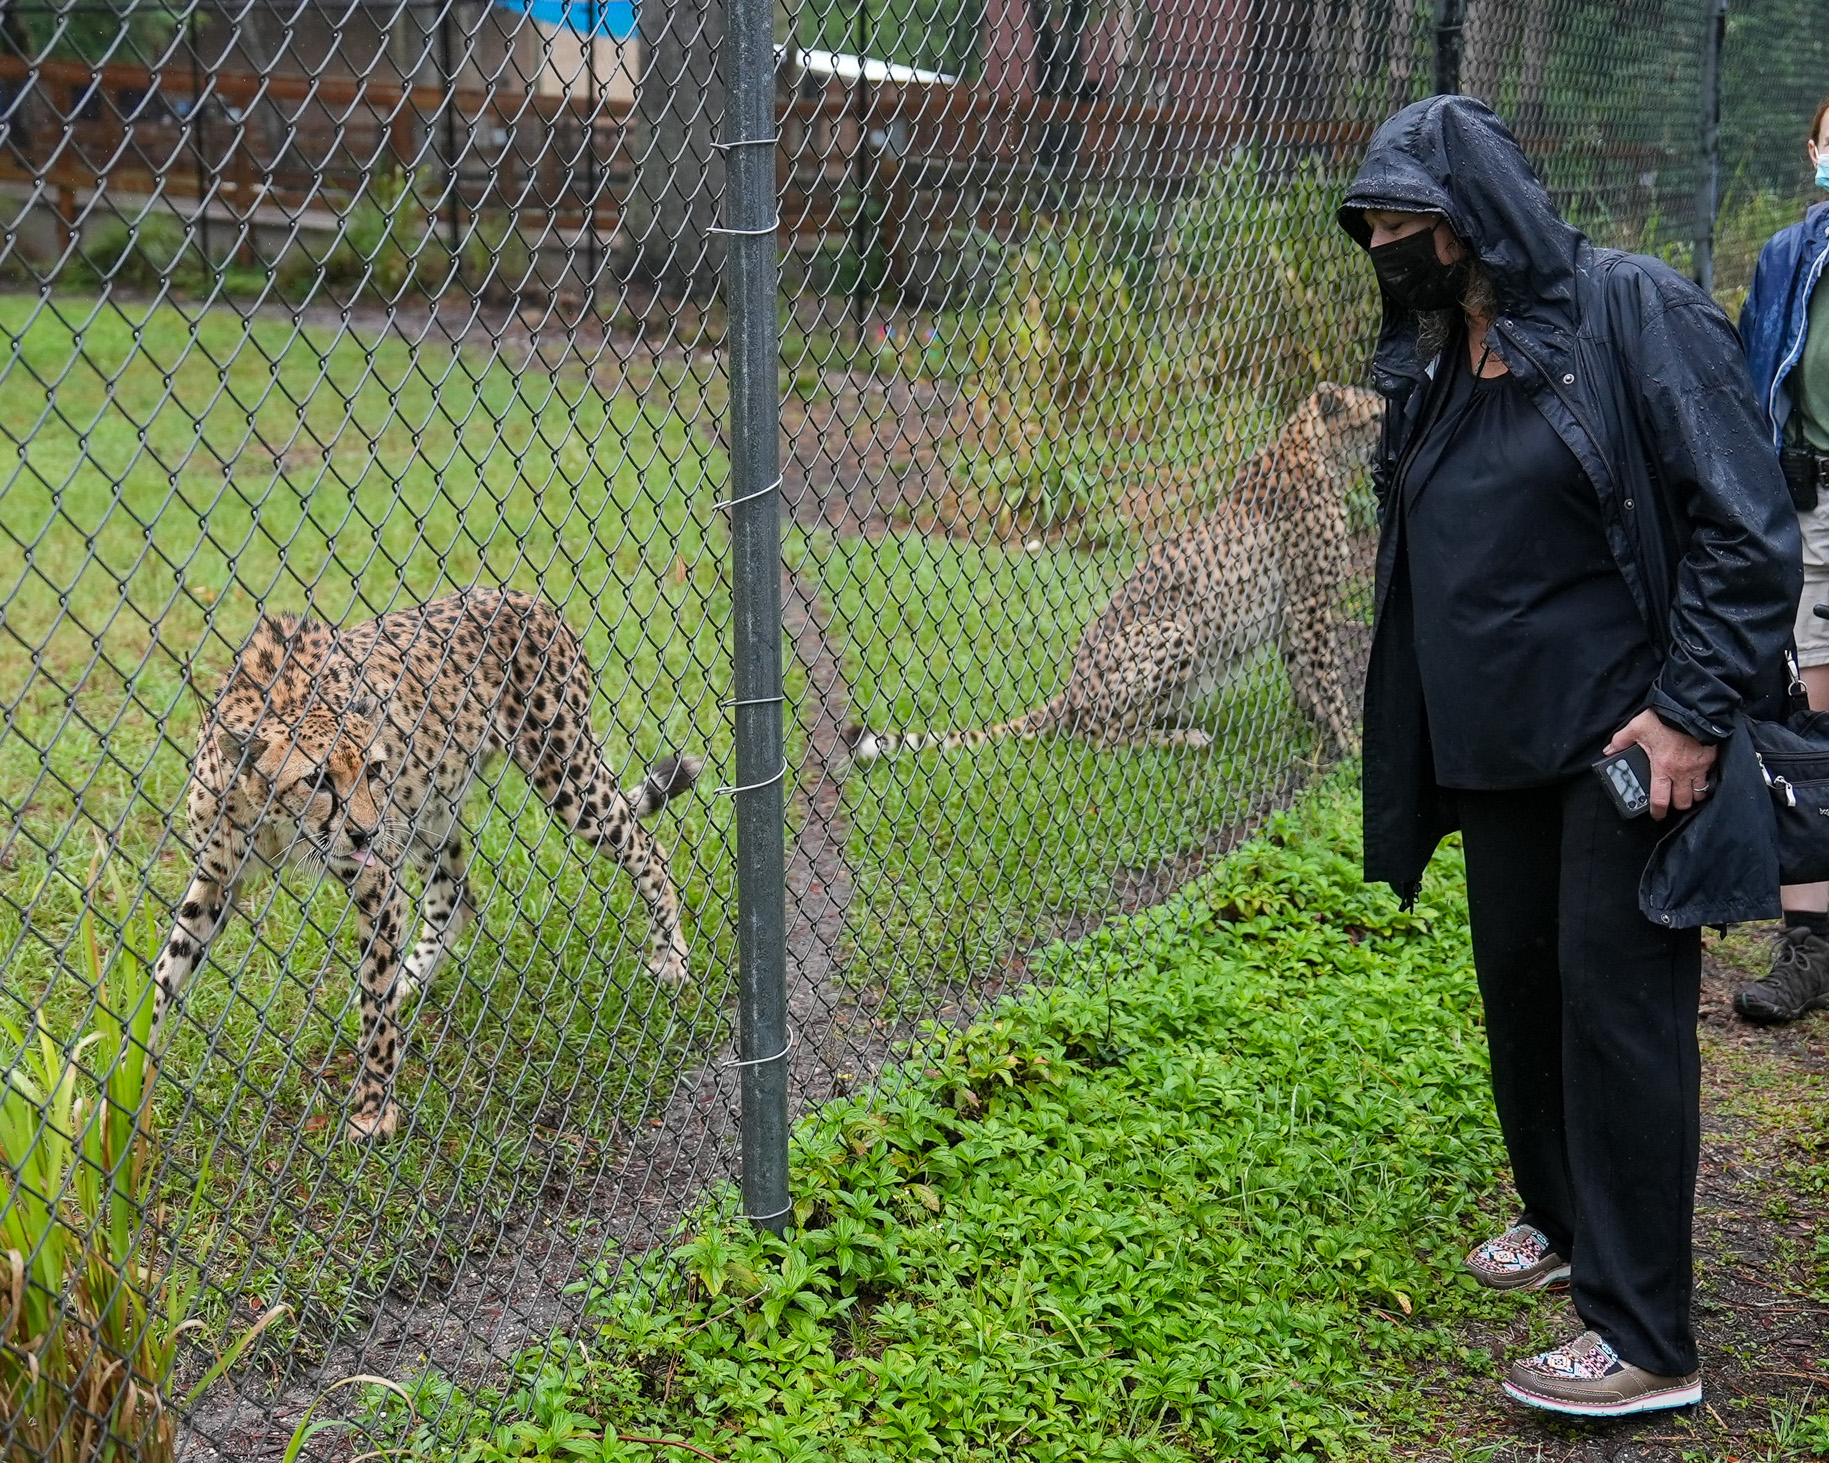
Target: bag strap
1797	693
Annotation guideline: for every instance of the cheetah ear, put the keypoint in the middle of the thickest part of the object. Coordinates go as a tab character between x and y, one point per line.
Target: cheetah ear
241	750
357	723
1330	398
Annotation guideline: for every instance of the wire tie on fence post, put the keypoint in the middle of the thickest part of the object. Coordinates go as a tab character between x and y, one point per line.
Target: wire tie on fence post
764	1218
747	497
752	786
793	1040
748	142
734	701
747	233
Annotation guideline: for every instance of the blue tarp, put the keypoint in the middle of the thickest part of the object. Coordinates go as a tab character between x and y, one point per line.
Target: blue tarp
613	18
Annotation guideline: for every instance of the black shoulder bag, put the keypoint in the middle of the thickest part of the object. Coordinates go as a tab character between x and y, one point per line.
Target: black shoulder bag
1793	757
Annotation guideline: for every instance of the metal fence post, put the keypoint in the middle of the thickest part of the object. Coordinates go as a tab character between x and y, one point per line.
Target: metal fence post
1450	24
751	271
861	241
1708	181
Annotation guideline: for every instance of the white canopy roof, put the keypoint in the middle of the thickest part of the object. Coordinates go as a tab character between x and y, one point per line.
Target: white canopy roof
848	68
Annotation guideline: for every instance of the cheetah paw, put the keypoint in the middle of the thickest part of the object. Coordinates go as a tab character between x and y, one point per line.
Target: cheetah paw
381	1125
670	969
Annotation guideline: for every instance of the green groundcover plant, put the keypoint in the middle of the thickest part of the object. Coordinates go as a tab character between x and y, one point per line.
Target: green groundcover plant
1200	1193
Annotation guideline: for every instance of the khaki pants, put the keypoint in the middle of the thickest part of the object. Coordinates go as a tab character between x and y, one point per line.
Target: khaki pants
1813	633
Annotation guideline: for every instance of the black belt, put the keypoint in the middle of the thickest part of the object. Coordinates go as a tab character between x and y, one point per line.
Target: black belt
1806	475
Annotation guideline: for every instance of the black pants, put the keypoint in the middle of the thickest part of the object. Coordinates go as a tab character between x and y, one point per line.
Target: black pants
1591	1020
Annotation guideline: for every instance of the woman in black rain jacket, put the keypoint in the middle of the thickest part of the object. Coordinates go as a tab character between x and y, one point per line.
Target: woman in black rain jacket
1585	544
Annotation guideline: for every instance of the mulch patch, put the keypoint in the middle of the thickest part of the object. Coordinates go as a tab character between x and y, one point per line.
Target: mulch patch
1762	1282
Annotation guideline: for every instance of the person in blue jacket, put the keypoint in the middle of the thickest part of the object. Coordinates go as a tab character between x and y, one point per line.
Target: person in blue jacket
1785	330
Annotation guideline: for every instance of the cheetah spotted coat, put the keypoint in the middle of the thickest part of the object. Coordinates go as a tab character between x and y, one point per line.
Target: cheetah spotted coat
1269	565
352	751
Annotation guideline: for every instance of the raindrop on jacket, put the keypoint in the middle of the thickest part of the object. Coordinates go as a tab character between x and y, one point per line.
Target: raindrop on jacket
1642	377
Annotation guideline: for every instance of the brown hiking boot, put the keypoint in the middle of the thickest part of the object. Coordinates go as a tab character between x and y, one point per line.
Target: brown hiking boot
1798	982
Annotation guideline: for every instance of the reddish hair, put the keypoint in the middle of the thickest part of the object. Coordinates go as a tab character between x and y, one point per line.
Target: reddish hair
1816	122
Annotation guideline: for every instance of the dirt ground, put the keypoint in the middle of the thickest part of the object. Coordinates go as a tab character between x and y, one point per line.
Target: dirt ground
1762	1282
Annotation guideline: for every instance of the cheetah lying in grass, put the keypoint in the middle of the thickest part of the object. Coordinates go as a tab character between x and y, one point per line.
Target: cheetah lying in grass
1269	565
352	751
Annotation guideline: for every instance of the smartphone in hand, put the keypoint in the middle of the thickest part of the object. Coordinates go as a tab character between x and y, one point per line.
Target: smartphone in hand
1627	778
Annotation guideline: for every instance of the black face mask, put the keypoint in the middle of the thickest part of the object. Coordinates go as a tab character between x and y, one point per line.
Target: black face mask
1411	274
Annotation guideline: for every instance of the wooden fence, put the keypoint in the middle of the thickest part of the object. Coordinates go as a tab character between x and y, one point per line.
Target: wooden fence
285	153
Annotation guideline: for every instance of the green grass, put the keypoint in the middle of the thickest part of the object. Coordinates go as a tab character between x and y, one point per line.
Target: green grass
401	472
1201	1194
173	473
963	853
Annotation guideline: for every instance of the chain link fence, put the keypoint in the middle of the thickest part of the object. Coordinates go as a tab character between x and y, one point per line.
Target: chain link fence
939	418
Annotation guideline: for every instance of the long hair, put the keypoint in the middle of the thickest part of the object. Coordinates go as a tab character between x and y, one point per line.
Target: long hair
1434	327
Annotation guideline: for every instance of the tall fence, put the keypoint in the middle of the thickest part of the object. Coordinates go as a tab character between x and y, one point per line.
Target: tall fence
944	422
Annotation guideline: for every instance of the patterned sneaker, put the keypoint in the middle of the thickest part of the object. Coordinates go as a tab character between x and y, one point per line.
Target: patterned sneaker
1519	1259
1586	1378
1799	981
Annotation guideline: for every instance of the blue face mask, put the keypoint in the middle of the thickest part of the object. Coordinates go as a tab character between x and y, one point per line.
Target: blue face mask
1822	168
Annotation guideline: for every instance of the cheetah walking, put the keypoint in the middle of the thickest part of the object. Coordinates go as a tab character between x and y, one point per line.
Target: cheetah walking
352	751
1269	565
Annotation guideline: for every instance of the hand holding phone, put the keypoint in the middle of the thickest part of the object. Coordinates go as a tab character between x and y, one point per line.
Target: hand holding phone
1626	776
1672	768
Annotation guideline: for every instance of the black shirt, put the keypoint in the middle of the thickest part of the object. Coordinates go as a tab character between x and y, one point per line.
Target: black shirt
1531	649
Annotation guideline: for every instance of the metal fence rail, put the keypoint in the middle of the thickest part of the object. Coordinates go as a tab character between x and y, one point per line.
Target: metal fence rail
942	421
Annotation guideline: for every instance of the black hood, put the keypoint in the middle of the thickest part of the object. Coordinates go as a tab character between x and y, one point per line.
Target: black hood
1452	155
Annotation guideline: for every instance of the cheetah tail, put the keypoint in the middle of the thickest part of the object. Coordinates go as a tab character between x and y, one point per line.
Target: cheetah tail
866	746
666	779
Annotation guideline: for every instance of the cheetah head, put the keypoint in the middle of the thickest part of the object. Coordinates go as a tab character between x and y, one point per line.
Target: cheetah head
320	775
1343	422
